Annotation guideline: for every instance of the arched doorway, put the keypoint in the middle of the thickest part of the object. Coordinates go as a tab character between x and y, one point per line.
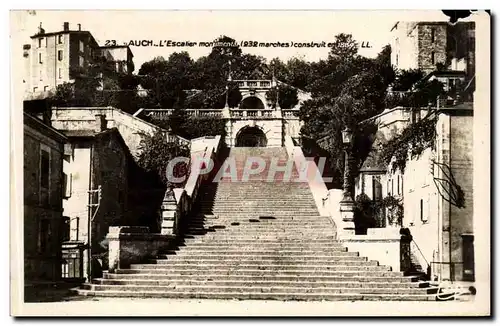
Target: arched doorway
251	137
251	103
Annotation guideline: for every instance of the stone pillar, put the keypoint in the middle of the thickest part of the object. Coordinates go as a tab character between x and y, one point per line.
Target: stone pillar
168	213
346	228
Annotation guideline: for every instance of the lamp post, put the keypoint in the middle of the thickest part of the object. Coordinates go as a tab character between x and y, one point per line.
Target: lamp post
347	142
347	203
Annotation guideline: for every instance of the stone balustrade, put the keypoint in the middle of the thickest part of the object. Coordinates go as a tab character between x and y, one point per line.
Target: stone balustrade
254	83
130	245
178	202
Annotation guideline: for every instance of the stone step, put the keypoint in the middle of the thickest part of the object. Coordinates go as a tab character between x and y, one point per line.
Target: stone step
313	222
244	258
259	276
265	230
255	283
270	221
291	236
249	264
290	215
259	296
253	271
263	205
260	242
243	225
209	248
257	251
252	289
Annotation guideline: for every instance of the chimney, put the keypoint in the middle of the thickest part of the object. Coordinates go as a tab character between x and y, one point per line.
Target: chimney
66	26
100	123
40	29
79	27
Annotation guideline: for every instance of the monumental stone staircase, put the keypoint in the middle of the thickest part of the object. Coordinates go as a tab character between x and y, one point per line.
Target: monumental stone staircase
259	240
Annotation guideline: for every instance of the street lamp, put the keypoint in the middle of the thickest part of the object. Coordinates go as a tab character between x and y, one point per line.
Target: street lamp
347	142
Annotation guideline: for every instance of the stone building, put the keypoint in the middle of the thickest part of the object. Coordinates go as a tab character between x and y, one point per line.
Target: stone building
435	189
43	211
425	45
255	121
103	144
51	57
97	164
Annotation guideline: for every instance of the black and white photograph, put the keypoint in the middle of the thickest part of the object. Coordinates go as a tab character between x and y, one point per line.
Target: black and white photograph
250	163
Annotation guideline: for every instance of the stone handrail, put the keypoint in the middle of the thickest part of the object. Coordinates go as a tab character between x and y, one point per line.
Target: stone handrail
129	245
178	202
162	113
326	200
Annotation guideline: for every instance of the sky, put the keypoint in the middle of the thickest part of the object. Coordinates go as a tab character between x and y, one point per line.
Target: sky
371	27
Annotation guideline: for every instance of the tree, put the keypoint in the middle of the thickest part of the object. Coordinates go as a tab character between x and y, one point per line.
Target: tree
286	96
344	48
347	89
156	151
167	80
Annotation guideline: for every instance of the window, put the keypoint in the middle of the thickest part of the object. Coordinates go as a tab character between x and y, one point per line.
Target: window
388	189
472	44
399	190
67	183
44	235
65	228
376	188
60	73
44	169
81	61
59	55
423	212
433	35
433	57
40	58
392	186
45	88
60	38
81	46
41	75
40	40
35	89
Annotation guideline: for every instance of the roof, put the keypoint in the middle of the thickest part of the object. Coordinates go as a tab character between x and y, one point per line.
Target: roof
60	32
445	73
374	162
118	47
38	124
87	133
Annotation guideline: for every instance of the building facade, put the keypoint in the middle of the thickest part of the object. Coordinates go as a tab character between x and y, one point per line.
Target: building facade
43	191
425	45
51	58
435	189
96	169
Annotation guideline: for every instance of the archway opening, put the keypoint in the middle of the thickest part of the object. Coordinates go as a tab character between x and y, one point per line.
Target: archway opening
251	103
251	137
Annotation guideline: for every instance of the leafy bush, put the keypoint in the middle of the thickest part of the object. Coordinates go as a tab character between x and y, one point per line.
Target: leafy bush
413	140
156	151
192	127
287	97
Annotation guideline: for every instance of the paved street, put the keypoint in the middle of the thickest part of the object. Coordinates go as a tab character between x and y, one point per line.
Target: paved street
178	307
